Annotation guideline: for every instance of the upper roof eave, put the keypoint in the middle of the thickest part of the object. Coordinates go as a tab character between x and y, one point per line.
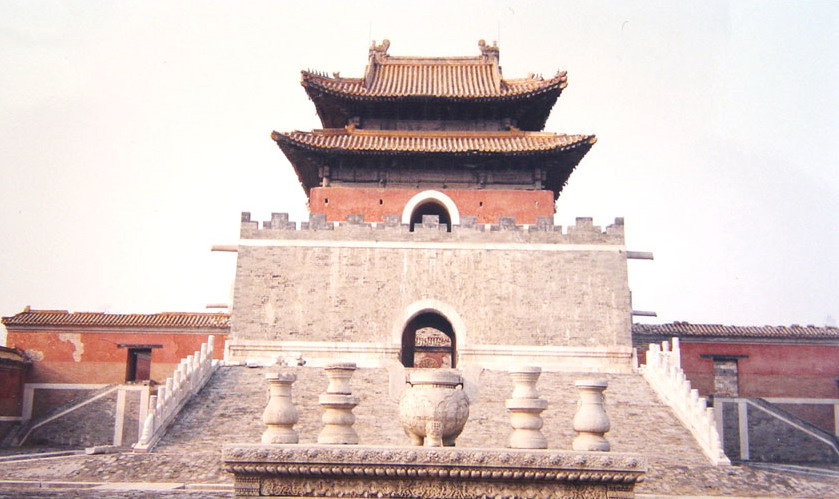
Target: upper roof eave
349	140
354	89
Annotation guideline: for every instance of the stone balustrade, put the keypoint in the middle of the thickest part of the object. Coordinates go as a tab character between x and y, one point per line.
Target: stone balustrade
664	373
432	410
189	377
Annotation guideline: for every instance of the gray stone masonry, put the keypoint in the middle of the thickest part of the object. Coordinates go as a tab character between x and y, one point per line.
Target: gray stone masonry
228	410
506	287
90	425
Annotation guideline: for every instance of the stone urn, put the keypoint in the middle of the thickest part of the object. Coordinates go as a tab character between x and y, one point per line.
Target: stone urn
433	408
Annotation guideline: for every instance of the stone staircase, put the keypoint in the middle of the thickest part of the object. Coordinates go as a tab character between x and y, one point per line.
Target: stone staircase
229	409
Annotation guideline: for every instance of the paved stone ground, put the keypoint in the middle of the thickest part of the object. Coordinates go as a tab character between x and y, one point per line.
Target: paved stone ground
229	410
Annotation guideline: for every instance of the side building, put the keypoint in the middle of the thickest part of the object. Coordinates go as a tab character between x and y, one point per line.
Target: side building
794	367
70	353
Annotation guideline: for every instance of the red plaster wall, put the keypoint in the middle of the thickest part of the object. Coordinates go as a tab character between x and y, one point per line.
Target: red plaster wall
102	361
487	205
771	370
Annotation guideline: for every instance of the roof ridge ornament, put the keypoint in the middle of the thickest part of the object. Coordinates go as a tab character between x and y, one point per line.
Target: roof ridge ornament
381	49
377	55
490	53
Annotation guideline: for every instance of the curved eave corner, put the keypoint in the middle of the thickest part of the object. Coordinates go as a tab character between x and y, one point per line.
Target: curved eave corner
307	176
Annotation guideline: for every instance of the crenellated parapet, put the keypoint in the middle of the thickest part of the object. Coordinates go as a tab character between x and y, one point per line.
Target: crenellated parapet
468	230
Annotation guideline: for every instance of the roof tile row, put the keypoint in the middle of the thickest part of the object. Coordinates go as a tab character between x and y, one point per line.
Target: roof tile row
165	319
436	80
719	330
434	142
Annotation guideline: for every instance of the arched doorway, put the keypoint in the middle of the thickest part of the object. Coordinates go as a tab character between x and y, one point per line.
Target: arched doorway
428	340
431	208
430	203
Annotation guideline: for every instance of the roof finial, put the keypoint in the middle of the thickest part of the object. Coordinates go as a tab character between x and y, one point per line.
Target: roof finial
489	52
380	48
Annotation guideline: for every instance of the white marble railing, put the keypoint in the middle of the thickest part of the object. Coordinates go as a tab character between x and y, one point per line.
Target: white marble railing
190	376
664	373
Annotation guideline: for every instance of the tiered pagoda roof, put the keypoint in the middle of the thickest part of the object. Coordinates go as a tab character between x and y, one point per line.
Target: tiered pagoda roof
455	114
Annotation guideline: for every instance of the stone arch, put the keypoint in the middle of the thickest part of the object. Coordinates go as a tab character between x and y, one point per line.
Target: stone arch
435	203
428	314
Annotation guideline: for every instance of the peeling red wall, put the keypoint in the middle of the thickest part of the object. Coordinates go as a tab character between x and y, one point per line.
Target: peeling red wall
61	357
487	205
769	370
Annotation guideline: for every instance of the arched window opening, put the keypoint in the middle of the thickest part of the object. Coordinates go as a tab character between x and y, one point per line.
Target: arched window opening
431	208
428	341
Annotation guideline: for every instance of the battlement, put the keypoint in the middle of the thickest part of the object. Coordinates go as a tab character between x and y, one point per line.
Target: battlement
392	229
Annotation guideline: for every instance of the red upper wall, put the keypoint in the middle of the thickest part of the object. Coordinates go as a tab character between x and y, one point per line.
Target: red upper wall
487	205
767	369
95	357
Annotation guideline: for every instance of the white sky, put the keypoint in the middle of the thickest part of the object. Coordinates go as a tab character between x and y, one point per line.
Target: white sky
132	134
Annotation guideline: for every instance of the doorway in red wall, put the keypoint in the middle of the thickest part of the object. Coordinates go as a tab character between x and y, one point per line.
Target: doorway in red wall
139	365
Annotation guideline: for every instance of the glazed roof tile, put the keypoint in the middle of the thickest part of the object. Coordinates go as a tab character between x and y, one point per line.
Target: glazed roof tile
48	318
477	77
388	141
443	78
685	329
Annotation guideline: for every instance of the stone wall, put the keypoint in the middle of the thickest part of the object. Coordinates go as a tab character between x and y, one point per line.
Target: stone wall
90	425
500	285
771	440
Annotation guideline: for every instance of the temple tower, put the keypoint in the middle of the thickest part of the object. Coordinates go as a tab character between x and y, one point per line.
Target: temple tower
431	241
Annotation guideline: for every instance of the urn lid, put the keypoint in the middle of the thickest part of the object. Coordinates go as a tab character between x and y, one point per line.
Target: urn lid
434	377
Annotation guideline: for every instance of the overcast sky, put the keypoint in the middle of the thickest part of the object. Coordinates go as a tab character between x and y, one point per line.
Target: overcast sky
132	135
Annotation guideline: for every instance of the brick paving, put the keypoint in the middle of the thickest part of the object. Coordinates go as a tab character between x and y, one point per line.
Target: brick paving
229	410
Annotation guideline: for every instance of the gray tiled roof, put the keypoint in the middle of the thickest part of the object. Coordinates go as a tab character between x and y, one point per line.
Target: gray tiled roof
718	330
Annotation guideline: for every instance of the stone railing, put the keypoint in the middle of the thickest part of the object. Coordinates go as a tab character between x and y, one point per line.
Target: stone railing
190	376
664	373
433	407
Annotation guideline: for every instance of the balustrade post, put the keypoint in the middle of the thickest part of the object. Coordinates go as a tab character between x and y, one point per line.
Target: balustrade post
280	415
148	430
338	403
526	406
591	422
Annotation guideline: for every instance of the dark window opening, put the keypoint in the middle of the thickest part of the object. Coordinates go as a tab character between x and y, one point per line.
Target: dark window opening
139	364
431	208
428	340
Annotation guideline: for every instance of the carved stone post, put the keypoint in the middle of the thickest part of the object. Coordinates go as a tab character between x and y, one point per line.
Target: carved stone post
591	421
526	408
338	403
280	414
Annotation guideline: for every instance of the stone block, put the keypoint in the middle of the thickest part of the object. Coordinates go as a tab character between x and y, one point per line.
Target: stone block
430	221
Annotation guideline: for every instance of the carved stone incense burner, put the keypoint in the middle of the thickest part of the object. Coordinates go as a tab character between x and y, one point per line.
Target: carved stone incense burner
433	408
